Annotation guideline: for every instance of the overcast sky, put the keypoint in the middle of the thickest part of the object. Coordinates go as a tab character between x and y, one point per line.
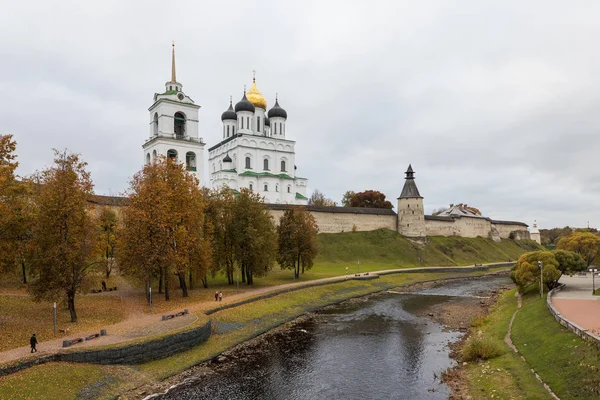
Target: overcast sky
495	104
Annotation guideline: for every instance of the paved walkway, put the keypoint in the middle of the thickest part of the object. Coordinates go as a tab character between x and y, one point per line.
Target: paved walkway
576	302
139	325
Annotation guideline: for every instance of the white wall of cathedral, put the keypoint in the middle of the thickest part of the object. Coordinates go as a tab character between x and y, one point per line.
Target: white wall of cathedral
161	147
277	127
164	112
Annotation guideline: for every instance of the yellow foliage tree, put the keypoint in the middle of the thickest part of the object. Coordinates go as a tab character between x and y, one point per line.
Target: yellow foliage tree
586	244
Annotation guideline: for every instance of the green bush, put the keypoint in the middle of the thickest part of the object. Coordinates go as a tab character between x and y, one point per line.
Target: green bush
477	348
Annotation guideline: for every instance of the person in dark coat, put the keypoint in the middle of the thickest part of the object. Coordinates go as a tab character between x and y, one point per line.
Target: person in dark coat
33	342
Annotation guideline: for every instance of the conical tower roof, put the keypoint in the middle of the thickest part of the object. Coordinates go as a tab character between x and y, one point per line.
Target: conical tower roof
410	189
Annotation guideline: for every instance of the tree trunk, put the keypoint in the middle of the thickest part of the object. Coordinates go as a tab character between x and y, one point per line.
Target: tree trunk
243	272
71	304
147	288
205	282
248	275
23	269
191	286
160	281
165	277
182	283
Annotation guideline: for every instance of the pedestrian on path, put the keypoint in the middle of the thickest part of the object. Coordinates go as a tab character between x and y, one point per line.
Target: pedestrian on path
33	342
220	296
217	296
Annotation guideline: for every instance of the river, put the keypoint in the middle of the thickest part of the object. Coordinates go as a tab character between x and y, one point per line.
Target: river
384	347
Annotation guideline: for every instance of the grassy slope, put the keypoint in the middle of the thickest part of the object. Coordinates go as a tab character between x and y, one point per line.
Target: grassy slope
506	376
567	363
384	248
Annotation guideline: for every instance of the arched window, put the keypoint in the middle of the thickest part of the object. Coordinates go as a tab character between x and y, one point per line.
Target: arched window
148	158
275	126
289	189
248	166
266	187
266	164
276	187
172	154
257	124
227	130
154	155
282	166
247	122
179	124
250	186
155	125
190	161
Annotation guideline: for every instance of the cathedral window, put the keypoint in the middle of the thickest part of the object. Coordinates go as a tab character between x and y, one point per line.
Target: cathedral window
248	163
266	164
233	127
154	155
250	186
148	158
257	124
275	126
247	122
289	189
179	124
266	187
190	161
282	166
276	188
227	130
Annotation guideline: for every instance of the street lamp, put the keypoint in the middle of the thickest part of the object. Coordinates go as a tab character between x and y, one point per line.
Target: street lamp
593	271
541	279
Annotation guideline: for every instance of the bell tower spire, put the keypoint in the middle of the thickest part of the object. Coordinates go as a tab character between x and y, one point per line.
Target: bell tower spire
173	77
173	87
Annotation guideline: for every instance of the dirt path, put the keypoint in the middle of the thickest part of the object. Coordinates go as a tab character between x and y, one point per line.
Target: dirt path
139	324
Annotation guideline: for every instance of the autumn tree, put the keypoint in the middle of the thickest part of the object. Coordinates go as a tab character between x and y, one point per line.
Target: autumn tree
569	262
220	214
254	245
317	198
163	225
347	198
297	239
107	237
16	213
586	244
370	199
526	271
64	232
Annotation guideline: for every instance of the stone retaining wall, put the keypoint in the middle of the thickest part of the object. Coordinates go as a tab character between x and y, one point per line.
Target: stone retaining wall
573	327
125	353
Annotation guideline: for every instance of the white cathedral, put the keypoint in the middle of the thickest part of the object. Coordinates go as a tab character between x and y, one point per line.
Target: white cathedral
254	152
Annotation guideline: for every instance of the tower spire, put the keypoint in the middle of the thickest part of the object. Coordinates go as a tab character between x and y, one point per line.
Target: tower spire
173	77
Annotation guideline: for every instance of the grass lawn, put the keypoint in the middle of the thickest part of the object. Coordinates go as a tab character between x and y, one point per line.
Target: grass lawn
64	381
20	316
568	364
506	376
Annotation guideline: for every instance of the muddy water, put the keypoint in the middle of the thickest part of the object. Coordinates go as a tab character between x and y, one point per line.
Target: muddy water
386	347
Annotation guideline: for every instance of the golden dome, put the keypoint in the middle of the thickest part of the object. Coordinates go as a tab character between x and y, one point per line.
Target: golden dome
255	97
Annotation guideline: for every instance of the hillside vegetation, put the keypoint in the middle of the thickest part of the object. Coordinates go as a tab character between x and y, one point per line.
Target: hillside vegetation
385	248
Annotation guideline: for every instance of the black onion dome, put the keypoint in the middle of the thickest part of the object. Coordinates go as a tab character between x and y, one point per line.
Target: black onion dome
277	111
267	122
227	158
229	114
244	105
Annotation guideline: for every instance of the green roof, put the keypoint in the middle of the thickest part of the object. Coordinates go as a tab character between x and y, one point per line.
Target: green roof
299	196
170	92
266	174
229	170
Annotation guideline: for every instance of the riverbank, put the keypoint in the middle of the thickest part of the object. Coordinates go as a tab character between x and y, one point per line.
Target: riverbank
250	349
230	327
564	361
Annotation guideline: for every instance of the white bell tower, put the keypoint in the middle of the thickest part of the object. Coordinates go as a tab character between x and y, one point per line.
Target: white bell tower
174	127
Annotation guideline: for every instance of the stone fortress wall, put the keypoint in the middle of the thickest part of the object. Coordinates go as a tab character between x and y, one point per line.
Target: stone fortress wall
348	219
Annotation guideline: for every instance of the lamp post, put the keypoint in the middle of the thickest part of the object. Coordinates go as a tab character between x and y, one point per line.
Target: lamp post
359	267
593	271
541	279
54	318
